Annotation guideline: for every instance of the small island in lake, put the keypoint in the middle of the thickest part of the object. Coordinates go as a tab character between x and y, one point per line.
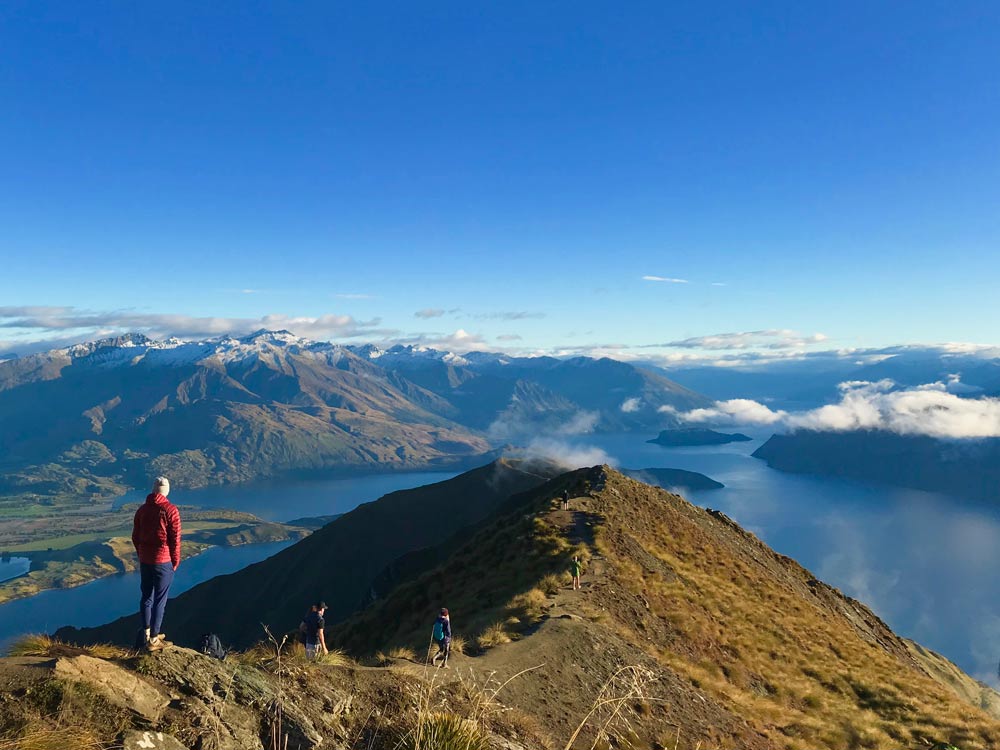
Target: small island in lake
668	478
697	436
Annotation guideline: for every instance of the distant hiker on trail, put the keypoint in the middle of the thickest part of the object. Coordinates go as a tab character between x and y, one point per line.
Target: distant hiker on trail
442	637
575	568
156	535
312	628
565	499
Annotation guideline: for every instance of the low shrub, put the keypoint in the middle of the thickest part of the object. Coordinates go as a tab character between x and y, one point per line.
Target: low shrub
494	635
441	731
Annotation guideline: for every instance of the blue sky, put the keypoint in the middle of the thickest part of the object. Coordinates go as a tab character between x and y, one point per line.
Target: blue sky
805	168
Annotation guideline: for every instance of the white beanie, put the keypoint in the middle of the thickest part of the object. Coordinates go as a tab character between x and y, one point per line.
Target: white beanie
161	486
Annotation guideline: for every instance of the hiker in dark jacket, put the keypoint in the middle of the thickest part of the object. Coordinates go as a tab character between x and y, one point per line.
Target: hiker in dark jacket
312	629
156	535
442	637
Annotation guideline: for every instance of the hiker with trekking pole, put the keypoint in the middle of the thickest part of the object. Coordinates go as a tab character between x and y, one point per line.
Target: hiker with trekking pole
442	637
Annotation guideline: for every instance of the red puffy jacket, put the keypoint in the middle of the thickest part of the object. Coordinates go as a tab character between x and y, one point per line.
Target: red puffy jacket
156	531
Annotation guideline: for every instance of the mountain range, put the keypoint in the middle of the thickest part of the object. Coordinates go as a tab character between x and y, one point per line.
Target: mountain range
233	409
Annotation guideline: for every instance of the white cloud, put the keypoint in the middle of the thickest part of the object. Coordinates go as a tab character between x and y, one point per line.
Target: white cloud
665	279
767	339
460	341
924	410
734	411
509	337
631	405
184	326
566	455
429	312
510	315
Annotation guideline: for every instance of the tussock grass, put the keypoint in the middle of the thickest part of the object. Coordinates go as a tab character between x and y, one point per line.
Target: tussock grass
35	644
527	608
494	635
61	738
459	645
257	655
552	583
336	657
39	644
445	731
404	653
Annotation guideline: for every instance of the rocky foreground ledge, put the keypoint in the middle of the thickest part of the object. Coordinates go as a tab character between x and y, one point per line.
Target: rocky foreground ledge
180	699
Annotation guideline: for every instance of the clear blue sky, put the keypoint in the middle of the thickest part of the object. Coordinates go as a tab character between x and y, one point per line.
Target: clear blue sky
836	166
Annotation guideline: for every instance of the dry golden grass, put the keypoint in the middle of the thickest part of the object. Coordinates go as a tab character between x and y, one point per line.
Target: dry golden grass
552	583
459	645
747	630
404	653
35	644
445	731
39	644
531	604
494	635
61	738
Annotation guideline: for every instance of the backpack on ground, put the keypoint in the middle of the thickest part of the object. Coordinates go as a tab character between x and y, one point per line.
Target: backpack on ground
212	646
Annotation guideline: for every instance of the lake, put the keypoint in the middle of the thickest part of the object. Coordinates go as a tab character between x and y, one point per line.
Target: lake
13	567
926	563
109	598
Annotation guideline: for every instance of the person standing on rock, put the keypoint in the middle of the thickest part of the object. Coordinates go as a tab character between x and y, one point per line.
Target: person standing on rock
442	637
156	535
575	568
565	499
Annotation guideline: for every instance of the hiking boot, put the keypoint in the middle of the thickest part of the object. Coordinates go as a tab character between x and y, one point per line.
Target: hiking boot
156	643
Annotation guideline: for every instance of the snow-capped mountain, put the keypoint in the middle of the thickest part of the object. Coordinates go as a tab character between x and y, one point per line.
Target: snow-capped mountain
233	408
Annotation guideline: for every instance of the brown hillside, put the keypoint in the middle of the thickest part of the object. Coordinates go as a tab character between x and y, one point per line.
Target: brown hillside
740	647
337	562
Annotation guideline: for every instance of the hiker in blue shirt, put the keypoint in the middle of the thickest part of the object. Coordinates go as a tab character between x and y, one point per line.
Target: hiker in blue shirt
442	637
312	628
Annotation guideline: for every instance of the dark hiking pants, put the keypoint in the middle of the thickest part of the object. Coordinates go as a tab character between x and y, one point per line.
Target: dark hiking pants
156	580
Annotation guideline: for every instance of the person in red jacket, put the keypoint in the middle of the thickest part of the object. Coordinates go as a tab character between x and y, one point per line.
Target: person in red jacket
156	534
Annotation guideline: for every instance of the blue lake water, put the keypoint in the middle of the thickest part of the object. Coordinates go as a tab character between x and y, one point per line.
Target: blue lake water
13	567
109	598
285	500
924	562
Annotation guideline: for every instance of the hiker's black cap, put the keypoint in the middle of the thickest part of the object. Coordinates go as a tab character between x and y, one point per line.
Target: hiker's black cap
321	605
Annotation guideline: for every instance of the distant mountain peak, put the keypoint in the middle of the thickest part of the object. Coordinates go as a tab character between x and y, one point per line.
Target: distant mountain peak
276	337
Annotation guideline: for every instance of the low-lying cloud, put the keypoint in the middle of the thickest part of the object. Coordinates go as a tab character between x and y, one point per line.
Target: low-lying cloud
933	410
564	454
631	405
